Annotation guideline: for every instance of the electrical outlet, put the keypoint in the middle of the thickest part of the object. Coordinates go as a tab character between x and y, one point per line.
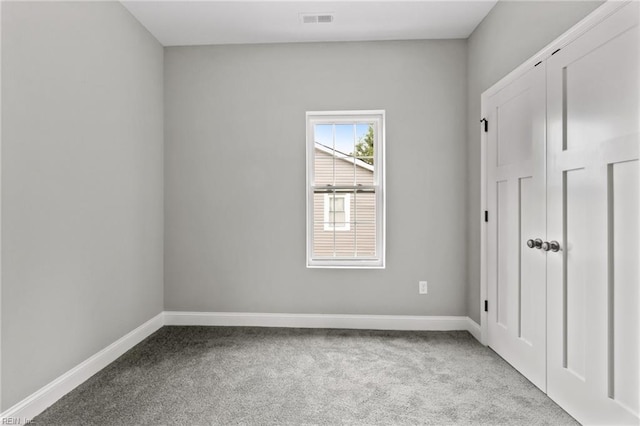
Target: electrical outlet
422	287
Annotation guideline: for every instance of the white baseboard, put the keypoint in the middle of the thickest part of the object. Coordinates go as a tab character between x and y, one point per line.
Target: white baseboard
475	329
40	400
369	322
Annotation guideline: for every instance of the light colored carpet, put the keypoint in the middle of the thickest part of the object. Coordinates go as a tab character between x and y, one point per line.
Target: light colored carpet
271	376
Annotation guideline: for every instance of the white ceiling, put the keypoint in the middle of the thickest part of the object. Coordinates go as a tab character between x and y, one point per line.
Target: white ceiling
182	23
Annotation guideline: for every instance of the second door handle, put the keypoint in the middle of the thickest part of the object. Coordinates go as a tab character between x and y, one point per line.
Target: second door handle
551	246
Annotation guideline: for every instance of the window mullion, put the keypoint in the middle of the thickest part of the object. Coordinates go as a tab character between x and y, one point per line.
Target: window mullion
355	224
333	158
334	224
355	182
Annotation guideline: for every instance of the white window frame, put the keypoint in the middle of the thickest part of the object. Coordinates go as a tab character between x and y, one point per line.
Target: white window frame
328	225
377	118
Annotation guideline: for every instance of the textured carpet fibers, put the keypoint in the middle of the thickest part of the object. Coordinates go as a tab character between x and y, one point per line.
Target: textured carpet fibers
274	376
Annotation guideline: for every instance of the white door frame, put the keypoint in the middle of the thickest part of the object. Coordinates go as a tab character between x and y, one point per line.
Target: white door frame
570	35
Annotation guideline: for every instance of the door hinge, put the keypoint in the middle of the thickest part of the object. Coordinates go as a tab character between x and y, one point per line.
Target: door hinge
486	215
486	306
486	124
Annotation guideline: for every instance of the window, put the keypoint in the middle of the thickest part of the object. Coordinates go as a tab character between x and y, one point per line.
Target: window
337	212
345	189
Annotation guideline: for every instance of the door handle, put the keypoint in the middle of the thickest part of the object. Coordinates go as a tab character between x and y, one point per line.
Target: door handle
537	243
551	246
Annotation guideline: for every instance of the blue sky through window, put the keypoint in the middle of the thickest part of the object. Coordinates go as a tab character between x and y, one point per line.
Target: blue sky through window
344	133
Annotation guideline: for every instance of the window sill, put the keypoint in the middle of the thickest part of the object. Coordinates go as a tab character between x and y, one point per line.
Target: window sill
332	264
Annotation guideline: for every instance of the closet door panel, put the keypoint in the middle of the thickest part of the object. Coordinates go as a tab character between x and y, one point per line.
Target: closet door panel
516	203
592	199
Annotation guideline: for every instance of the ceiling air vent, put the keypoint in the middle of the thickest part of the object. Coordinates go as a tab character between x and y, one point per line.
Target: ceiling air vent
316	18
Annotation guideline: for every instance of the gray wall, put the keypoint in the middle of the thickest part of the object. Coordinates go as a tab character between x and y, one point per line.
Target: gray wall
82	154
510	34
235	175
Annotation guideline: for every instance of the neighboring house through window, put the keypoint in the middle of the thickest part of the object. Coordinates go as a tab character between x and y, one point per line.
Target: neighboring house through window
345	189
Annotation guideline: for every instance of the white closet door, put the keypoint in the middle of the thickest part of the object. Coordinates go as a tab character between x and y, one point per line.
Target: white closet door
516	203
593	299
